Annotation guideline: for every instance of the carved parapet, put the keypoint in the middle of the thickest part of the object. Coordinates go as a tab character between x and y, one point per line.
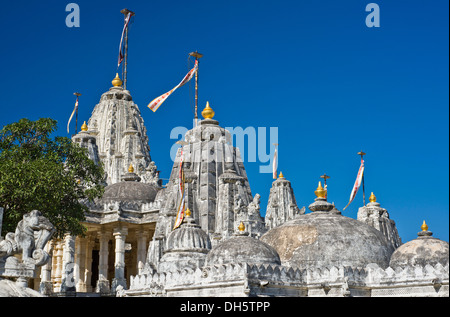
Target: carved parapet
325	281
149	284
378	276
409	281
151	206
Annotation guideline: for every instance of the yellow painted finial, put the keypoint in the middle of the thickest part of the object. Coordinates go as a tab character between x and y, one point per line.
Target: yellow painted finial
241	227
372	198
131	169
84	127
320	192
424	226
208	113
188	212
281	175
117	82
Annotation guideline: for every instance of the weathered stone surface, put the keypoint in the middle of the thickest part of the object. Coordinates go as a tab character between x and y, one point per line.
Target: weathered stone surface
130	192
88	141
282	205
242	249
27	242
421	251
121	137
377	217
323	238
23	240
11	289
216	182
186	248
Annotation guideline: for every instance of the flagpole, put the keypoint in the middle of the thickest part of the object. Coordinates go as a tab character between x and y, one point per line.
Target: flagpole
125	56
275	164
76	112
197	56
364	191
325	177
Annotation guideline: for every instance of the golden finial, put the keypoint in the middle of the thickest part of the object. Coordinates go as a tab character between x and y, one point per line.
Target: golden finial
424	226
208	113
117	82
281	175
188	212
131	169
372	198
84	127
320	192
241	227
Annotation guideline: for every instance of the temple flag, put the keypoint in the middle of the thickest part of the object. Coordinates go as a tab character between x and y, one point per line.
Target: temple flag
127	20
73	112
275	164
180	211
154	105
357	183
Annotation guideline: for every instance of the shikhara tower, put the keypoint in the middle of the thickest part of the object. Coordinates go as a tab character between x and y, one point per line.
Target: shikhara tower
121	136
217	189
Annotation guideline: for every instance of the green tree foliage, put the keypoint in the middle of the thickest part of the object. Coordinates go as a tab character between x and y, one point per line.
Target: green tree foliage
52	175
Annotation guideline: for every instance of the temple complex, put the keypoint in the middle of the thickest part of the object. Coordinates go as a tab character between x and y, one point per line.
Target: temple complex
138	244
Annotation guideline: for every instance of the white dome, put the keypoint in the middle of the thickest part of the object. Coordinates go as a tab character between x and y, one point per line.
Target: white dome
325	238
421	251
242	249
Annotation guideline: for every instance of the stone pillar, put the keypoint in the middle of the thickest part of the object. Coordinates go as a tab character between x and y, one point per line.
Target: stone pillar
46	286
207	186
225	217
58	266
190	189
154	253
120	235
88	264
80	264
68	265
37	281
103	282
142	237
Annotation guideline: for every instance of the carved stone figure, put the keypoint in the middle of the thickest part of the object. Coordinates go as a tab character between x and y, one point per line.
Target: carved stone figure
30	237
253	207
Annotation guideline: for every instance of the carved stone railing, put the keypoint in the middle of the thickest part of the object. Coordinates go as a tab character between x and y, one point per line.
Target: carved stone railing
327	281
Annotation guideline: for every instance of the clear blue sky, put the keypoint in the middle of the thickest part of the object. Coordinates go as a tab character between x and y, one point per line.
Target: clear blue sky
313	69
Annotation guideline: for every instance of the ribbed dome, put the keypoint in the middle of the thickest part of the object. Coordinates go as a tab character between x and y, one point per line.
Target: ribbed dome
242	249
321	239
188	237
421	251
130	192
186	247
